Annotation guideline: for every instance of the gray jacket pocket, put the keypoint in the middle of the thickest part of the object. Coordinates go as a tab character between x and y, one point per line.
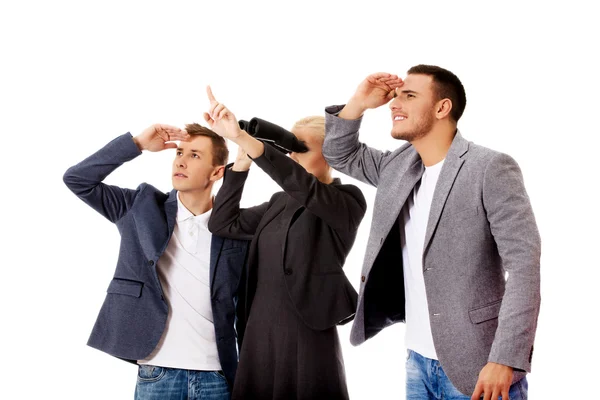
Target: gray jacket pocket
463	214
485	313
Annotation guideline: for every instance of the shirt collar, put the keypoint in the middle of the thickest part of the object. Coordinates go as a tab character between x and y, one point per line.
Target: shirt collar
437	165
183	214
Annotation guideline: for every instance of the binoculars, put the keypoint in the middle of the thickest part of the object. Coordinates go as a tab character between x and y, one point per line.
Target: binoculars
274	135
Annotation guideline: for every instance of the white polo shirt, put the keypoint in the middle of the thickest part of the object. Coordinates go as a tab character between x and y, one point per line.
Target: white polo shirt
188	341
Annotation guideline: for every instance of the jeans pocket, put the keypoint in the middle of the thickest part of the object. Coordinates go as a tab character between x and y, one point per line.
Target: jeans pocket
518	391
220	374
150	373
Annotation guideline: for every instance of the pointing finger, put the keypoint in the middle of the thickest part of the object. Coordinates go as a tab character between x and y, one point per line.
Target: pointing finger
209	92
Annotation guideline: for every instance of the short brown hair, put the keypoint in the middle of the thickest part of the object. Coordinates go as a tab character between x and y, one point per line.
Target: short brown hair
219	147
446	86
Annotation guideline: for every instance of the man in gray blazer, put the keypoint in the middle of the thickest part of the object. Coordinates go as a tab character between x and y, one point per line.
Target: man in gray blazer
454	250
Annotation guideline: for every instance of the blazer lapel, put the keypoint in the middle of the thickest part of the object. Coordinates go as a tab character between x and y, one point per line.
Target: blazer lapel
452	165
290	209
171	211
216	243
272	212
171	215
397	194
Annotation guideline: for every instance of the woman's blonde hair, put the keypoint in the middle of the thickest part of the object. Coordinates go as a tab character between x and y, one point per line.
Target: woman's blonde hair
314	122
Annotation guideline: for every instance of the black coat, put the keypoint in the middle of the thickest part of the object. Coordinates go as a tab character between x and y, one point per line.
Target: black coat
326	218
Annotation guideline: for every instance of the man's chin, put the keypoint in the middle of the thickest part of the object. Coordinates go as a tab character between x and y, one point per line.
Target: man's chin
177	185
400	135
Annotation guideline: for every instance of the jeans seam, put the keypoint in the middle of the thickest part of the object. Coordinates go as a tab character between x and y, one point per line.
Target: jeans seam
520	391
439	381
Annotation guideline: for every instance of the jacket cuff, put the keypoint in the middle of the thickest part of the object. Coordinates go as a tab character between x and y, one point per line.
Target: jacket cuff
266	159
231	176
121	149
334	110
518	361
340	124
130	146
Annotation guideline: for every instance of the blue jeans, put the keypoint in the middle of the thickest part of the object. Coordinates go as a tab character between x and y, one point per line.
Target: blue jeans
425	379
160	383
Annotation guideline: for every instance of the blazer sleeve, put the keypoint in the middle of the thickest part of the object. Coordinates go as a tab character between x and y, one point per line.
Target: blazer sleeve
345	153
342	207
515	232
227	218
85	178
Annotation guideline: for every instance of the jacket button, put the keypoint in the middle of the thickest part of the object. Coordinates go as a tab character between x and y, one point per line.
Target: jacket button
287	271
150	262
362	278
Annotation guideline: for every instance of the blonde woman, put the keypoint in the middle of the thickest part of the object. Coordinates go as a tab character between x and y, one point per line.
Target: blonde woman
295	289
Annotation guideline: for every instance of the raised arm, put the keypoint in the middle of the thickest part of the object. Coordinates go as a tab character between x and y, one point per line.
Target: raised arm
227	218
341	207
341	148
85	178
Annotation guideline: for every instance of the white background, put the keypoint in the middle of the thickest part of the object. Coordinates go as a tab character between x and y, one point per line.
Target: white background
74	75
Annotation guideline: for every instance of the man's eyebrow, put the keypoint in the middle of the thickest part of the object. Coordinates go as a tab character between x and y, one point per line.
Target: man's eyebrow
408	91
192	150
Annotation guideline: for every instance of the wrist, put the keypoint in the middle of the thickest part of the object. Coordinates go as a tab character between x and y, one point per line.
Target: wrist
352	110
241	165
252	146
137	142
238	136
234	133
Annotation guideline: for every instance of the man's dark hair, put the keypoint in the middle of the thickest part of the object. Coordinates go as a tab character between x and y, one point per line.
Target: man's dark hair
219	147
446	85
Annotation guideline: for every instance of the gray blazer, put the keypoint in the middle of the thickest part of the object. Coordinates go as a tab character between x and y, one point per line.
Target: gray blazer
481	226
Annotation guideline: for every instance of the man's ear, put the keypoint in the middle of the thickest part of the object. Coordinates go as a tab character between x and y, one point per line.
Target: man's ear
218	173
443	108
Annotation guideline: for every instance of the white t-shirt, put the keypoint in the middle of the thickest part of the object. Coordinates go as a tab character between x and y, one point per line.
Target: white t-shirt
188	341
413	225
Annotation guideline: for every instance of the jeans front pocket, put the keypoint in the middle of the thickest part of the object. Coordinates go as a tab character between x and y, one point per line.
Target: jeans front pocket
150	373
220	374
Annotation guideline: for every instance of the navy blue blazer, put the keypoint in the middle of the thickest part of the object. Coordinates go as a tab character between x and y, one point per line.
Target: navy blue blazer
134	314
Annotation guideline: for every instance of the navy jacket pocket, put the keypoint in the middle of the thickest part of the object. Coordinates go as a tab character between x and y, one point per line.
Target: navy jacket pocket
126	287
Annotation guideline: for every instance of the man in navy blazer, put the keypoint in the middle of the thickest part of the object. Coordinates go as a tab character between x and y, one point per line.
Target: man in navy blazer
171	305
